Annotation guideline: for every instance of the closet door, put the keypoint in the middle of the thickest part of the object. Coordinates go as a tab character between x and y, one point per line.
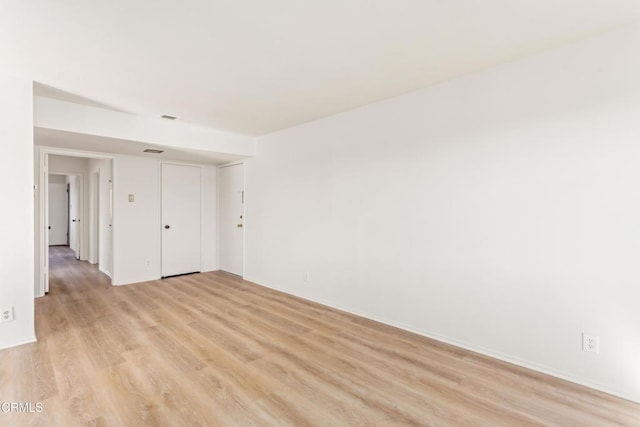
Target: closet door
180	219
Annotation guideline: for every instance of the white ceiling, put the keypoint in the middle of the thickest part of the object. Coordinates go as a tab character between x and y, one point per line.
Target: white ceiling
257	66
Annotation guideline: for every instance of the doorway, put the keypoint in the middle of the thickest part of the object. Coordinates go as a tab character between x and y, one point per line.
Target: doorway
84	225
231	218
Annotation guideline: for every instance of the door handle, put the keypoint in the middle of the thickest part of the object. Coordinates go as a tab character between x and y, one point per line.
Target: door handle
167	227
239	225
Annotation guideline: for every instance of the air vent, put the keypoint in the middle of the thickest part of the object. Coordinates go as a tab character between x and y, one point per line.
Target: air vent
168	117
151	150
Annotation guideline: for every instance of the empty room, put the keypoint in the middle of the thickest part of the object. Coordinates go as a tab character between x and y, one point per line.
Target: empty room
325	213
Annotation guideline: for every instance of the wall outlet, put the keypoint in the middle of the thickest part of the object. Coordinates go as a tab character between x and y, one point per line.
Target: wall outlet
590	343
6	314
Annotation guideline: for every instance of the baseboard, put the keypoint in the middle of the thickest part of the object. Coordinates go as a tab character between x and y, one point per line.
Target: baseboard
505	358
22	341
105	272
135	281
471	347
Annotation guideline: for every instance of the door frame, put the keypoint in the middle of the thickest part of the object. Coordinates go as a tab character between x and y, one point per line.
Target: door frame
68	188
41	267
244	211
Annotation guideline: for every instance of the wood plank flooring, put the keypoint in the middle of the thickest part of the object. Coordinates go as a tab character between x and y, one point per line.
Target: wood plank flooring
212	349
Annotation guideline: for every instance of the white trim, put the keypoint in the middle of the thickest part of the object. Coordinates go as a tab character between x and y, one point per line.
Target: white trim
232	163
22	341
75	153
41	266
474	348
171	162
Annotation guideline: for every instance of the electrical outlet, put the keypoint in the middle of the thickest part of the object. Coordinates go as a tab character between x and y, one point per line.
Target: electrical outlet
590	343
6	314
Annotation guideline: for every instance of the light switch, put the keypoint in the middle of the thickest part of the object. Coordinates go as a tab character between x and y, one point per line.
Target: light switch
132	198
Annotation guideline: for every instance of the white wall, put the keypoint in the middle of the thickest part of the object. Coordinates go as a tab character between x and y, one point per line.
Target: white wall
209	241
57	179
16	225
137	227
499	211
67	164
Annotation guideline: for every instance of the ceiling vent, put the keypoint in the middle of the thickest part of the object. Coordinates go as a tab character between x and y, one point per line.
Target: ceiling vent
151	150
168	117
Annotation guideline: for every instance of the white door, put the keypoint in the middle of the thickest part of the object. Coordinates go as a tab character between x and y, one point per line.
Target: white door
180	219
74	214
231	199
57	212
95	217
106	225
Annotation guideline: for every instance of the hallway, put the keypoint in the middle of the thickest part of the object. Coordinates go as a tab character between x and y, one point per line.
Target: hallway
70	277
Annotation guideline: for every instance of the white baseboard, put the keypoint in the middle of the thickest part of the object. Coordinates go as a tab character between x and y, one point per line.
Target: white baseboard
475	348
108	273
22	341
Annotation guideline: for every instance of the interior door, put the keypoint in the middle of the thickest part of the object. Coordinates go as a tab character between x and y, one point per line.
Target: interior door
74	215
231	199
95	217
108	238
180	219
77	213
57	226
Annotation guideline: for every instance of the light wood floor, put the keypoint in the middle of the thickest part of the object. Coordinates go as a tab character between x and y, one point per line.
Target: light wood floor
212	349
